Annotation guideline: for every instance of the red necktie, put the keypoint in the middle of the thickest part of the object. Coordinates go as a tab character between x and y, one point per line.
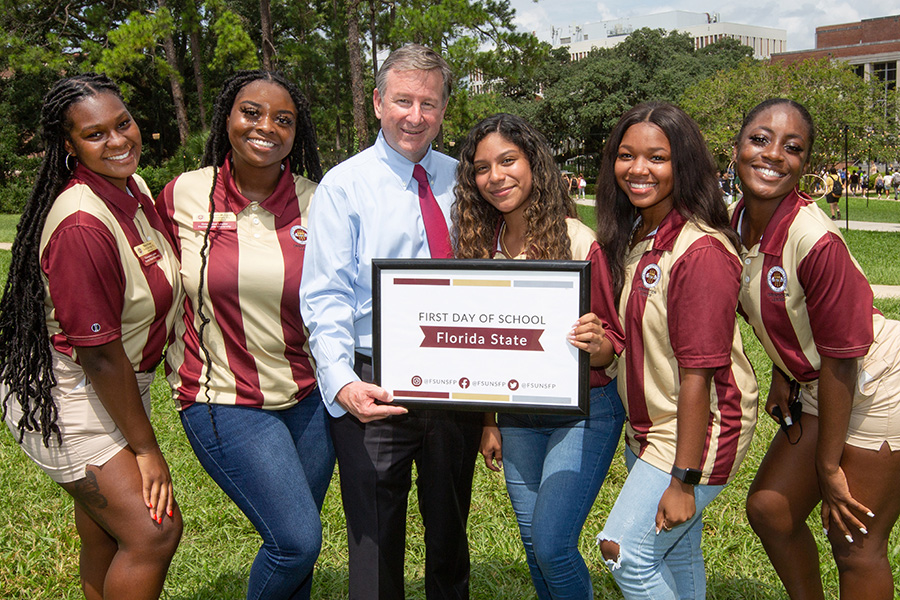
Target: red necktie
435	225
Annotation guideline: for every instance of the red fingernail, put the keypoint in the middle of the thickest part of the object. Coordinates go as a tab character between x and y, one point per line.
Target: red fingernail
170	513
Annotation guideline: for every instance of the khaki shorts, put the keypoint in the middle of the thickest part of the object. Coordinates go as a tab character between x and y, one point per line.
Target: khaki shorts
875	417
89	435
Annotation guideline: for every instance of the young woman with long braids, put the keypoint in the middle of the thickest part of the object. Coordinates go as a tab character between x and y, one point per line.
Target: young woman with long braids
239	364
811	307
512	202
689	390
87	308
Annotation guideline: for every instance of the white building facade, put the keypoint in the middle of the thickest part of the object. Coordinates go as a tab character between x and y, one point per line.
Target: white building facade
704	28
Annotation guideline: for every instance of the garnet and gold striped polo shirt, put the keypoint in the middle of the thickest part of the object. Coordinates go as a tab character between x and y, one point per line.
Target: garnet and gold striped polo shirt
678	311
803	292
256	339
109	269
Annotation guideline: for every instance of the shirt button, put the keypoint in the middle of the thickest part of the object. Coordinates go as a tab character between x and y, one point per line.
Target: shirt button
256	220
254	206
256	235
746	261
746	280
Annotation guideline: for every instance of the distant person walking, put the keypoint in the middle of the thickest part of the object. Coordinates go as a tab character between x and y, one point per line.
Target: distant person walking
582	184
879	185
833	191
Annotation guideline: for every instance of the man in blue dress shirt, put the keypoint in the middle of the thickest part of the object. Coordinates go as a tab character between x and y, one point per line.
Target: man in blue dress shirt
368	207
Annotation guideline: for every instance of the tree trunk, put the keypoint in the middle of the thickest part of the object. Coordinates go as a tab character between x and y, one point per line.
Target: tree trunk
372	23
177	93
268	47
356	77
194	39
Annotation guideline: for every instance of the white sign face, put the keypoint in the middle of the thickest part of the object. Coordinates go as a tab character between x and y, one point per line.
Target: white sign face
481	335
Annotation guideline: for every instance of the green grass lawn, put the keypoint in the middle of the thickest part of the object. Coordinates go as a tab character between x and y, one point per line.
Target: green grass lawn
39	544
875	210
8	228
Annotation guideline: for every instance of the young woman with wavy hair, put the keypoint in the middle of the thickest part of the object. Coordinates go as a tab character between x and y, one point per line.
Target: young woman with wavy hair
512	203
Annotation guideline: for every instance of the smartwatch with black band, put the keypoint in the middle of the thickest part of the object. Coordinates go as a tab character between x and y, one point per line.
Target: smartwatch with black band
688	476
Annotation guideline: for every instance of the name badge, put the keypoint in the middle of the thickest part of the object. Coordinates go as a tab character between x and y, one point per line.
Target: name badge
221	221
148	253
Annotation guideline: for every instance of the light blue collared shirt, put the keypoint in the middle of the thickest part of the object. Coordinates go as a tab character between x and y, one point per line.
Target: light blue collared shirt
366	207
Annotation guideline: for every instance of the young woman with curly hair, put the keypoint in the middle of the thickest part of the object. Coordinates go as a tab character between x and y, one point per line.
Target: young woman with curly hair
239	362
689	390
512	202
88	305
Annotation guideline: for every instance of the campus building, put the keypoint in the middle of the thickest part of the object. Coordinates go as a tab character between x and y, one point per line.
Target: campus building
872	46
704	28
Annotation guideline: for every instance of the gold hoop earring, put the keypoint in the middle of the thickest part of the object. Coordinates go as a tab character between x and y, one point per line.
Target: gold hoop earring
75	160
811	187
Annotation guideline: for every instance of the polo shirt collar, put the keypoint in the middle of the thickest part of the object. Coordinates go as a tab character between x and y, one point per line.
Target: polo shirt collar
275	203
776	233
401	166
108	192
668	231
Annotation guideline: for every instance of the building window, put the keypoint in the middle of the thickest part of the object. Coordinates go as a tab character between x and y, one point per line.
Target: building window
860	70
886	72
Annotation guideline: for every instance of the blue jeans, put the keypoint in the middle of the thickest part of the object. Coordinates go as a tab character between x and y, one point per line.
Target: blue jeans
655	566
554	468
276	466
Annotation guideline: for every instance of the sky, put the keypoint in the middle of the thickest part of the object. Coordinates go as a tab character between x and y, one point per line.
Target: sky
799	17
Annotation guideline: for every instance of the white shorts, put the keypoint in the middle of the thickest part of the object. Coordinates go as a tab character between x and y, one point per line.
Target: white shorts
875	416
89	435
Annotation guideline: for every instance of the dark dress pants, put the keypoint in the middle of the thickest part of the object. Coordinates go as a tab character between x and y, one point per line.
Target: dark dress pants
375	465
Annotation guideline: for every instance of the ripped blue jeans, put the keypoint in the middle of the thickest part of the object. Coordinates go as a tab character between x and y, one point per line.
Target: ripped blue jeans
650	566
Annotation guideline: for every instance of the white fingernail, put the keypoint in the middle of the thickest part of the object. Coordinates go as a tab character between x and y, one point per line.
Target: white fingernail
825	531
788	420
870	513
863	530
849	538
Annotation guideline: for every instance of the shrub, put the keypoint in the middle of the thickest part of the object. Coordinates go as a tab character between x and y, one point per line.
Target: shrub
14	195
186	158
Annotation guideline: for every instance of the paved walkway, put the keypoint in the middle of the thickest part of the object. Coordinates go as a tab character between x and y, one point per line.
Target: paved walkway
881	291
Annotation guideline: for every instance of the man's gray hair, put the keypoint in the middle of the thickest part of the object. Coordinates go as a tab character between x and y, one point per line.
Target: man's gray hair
414	57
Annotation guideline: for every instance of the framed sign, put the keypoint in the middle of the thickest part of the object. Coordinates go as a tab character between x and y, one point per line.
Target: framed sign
487	335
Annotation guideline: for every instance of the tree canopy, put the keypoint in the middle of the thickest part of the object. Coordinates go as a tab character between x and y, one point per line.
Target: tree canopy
834	95
582	100
171	57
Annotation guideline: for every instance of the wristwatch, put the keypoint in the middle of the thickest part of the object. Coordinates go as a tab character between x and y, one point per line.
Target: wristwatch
688	476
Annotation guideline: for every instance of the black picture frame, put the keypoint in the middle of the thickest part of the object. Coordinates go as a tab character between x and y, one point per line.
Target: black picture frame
524	275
